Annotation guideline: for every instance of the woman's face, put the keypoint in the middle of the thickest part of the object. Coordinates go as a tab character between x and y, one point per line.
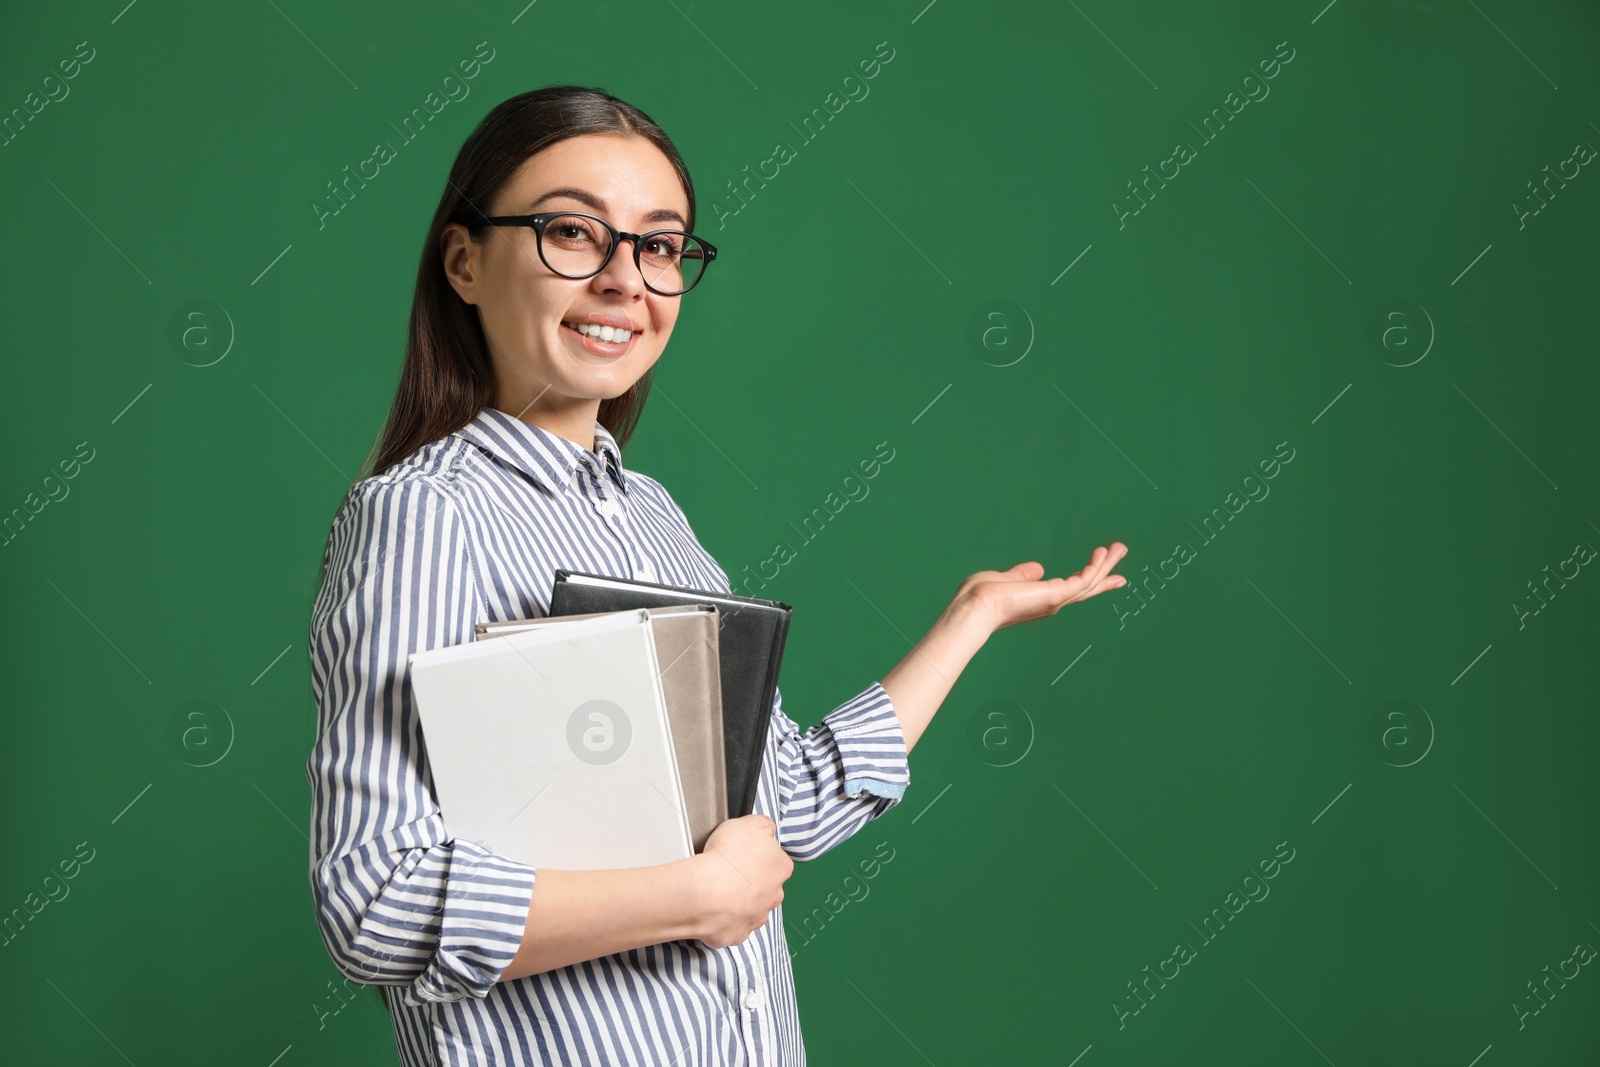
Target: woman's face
527	310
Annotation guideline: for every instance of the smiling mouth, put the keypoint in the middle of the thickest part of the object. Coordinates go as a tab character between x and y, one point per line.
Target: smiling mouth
592	339
604	334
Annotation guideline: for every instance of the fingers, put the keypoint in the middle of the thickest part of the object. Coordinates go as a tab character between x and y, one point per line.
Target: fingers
1092	579
1102	561
1098	581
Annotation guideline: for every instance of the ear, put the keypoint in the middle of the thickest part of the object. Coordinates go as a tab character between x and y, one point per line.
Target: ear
460	255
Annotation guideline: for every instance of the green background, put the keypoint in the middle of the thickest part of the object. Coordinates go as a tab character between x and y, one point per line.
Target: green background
1142	387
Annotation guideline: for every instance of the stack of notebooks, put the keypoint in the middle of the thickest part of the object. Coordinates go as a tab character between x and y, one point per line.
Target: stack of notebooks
618	731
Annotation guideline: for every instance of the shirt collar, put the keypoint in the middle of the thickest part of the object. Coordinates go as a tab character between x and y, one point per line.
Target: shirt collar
548	458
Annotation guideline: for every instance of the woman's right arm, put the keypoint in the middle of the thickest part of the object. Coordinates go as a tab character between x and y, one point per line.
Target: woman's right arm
719	896
400	903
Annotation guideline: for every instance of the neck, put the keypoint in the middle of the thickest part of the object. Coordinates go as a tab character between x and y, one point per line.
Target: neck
572	418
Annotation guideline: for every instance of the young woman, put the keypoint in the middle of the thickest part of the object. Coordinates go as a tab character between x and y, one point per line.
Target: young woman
550	281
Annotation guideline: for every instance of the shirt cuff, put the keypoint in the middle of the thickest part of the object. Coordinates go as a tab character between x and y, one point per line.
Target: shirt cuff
485	914
871	744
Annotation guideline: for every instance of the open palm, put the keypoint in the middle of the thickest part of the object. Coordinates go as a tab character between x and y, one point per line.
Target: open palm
1004	598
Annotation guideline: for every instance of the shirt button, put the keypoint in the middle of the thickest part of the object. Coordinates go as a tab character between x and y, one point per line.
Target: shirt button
752	999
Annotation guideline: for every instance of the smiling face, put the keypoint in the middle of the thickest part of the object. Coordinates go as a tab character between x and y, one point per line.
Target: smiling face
547	373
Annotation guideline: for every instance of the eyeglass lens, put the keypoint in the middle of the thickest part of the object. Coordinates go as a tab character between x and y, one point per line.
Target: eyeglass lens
575	246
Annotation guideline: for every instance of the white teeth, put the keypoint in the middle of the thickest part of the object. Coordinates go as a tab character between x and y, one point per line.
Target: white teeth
604	333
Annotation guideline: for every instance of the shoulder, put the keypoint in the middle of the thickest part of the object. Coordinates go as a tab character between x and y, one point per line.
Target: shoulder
420	491
403	520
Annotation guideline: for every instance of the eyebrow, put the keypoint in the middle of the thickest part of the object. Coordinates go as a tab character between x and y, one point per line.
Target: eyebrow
598	205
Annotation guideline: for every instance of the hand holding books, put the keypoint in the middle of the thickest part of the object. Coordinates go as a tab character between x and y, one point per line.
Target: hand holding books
743	869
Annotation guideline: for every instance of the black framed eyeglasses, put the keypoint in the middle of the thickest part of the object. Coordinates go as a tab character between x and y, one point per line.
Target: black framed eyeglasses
576	245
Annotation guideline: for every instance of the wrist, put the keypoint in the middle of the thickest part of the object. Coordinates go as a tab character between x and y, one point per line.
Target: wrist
686	883
965	623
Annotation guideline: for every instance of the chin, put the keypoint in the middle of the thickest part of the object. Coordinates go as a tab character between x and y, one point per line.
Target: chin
605	385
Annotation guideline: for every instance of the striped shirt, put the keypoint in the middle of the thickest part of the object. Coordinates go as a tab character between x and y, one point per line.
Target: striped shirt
472	528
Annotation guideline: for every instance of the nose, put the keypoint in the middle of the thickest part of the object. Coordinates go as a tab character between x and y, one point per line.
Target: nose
631	277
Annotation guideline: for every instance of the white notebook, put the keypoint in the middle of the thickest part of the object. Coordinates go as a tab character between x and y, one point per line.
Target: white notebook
552	746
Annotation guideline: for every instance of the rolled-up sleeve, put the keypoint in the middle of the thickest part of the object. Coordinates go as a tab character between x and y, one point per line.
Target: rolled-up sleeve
839	775
399	903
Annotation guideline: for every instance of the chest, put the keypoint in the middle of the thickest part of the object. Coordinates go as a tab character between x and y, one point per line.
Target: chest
521	535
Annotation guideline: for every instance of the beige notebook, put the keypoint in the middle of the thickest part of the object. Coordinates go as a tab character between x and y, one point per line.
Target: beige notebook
691	680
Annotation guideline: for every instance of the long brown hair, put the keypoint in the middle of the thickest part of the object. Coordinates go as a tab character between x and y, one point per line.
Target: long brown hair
447	377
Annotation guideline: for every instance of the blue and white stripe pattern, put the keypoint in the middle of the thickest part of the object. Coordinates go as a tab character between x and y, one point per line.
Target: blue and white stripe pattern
472	528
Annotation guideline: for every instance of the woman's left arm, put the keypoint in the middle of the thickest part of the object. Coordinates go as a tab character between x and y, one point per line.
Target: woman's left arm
851	767
983	604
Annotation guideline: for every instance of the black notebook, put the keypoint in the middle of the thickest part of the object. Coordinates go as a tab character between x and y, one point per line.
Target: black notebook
751	640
